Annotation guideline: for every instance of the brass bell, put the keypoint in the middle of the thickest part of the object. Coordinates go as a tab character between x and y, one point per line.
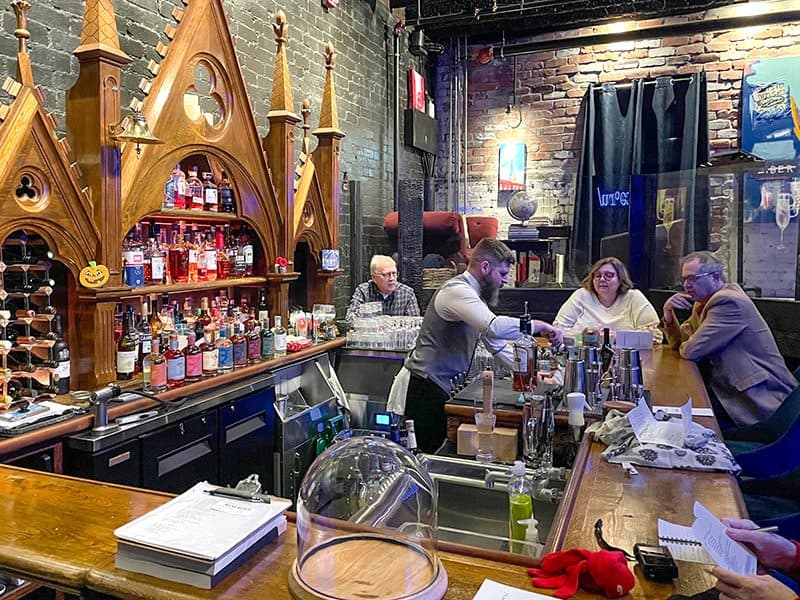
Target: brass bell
134	128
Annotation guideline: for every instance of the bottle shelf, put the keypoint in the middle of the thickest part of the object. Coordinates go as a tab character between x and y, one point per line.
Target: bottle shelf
196	216
180	288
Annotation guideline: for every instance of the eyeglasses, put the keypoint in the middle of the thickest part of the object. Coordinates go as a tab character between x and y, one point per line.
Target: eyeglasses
387	275
693	278
607	275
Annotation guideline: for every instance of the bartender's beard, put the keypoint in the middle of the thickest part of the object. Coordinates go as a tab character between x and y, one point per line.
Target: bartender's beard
489	293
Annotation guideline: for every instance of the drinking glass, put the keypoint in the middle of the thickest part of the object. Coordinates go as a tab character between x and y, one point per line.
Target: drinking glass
485	422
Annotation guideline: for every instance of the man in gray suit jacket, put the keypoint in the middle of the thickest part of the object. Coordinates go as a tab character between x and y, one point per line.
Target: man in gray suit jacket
747	373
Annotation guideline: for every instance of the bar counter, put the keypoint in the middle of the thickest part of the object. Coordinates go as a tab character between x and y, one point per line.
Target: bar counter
59	530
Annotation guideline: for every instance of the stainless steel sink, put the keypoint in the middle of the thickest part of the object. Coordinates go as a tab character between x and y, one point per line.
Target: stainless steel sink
473	502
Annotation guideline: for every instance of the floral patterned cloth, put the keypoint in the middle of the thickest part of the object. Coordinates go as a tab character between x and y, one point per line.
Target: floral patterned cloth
707	453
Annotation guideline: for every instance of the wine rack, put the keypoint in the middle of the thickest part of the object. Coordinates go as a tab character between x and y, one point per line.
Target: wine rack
29	326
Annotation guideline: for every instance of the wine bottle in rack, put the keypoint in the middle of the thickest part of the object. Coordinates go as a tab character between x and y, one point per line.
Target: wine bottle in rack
26	254
61	357
26	282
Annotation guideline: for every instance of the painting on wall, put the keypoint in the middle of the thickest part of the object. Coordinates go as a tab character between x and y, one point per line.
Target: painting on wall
770	115
511	170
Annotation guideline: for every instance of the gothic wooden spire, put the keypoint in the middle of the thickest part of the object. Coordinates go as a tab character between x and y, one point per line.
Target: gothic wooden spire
99	32
24	73
329	113
282	101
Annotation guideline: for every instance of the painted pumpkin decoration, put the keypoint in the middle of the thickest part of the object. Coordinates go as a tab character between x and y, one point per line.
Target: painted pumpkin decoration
94	275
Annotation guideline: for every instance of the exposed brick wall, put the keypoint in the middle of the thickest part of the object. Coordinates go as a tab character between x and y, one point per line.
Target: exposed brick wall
551	86
363	77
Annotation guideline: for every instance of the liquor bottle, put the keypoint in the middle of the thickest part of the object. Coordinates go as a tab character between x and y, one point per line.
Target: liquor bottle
179	187
156	326
525	357
267	340
263	307
195	189
158	367
253	341
279	343
247	250
224	261
210	251
210	194
210	355
200	249
227	204
176	363
158	262
520	505
411	438
60	352
126	350
145	331
239	257
168	202
178	259
133	259
606	352
191	250
225	347
137	339
166	316
194	359
239	345
203	319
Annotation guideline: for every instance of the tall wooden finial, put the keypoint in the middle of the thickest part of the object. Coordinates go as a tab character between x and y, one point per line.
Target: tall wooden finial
24	72
329	113
282	86
99	31
306	112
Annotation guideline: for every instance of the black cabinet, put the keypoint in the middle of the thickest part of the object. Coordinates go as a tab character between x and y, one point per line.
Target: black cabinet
119	464
247	435
176	457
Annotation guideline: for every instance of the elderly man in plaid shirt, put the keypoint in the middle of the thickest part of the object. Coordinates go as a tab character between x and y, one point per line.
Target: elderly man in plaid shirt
397	298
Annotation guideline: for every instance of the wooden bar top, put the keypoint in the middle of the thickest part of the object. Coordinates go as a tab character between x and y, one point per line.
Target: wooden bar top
59	530
78	424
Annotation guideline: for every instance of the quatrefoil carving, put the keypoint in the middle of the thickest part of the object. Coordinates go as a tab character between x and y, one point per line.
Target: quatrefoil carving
206	100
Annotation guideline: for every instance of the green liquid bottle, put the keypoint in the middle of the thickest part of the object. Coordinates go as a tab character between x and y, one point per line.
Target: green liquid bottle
520	506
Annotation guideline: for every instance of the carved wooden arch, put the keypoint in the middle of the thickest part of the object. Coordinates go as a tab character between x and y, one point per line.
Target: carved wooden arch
56	206
66	248
251	205
308	201
202	36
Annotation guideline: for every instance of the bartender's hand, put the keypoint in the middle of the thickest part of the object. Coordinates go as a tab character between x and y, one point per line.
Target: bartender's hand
681	301
553	334
732	586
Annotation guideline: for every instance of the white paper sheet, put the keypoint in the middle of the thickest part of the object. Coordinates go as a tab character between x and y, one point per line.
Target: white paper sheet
682	543
650	431
727	553
491	590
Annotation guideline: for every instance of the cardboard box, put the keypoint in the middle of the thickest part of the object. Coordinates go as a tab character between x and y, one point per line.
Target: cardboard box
504	442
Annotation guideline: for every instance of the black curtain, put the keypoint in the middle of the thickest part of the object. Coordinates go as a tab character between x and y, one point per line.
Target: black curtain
648	126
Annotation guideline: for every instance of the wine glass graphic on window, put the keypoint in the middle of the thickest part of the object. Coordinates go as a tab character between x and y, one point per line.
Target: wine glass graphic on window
666	213
785	209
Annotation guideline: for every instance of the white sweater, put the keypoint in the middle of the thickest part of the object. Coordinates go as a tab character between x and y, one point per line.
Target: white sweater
630	312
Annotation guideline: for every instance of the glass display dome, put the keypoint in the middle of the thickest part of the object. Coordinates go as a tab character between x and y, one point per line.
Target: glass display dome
366	525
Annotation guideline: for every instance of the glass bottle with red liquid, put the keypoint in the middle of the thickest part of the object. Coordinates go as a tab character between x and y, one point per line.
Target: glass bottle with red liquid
524	368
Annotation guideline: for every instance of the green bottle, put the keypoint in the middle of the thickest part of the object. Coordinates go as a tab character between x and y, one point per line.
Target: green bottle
520	506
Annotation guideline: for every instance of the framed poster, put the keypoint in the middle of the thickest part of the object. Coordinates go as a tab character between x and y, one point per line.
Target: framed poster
511	170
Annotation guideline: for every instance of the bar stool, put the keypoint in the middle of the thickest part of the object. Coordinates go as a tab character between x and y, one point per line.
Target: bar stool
771	429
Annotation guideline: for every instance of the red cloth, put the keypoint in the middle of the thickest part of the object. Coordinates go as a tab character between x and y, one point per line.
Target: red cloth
602	571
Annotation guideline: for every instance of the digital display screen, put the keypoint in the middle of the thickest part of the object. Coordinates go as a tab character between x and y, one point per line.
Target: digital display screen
383	419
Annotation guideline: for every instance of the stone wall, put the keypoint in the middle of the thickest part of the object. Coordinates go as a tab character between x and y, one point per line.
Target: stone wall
550	89
363	77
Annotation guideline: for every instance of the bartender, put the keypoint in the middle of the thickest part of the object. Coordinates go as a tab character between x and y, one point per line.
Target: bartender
457	316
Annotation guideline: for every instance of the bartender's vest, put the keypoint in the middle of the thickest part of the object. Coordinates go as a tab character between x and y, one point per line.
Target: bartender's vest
444	348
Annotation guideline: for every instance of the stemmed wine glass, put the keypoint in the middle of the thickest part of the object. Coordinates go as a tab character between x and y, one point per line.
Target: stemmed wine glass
782	215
